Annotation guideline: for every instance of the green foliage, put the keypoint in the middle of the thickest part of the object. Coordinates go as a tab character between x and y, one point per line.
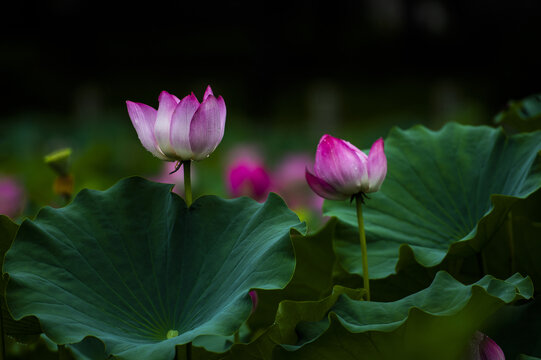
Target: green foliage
131	263
435	323
446	194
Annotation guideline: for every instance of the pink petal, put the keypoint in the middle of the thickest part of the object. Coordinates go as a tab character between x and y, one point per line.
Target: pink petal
180	126
322	188
341	165
207	128
143	118
377	166
208	92
162	128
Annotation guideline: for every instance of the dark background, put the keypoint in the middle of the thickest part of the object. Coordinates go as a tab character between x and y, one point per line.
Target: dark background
265	58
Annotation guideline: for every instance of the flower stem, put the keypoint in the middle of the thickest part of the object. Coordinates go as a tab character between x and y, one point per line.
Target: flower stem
359	203
187	182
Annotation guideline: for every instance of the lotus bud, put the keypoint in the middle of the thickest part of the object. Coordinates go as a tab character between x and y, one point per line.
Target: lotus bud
341	170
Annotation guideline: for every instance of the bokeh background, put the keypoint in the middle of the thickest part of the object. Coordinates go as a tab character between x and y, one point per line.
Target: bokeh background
288	72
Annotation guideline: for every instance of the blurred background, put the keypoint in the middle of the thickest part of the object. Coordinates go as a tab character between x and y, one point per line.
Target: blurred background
288	73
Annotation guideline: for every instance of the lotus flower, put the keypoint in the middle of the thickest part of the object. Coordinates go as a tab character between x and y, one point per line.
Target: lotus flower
246	175
341	170
180	129
483	348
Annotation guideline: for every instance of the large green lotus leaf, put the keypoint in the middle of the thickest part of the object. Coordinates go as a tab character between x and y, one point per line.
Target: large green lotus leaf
129	264
435	323
446	193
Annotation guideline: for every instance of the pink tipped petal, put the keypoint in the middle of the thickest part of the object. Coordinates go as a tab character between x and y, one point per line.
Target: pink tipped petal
322	188
206	129
223	112
163	123
208	92
180	126
341	165
377	166
143	118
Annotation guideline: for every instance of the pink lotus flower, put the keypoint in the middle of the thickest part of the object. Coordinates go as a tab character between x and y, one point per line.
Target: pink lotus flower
246	175
11	197
180	129
341	170
484	348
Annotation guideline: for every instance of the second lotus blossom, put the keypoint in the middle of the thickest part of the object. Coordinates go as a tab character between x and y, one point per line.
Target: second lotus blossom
341	170
180	130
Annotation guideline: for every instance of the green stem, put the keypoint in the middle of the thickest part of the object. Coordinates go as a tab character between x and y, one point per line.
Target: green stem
187	182
236	338
359	202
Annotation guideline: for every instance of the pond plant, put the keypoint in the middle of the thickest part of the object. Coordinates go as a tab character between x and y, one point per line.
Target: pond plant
429	242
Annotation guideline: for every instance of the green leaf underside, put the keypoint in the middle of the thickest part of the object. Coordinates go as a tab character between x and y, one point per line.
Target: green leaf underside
446	192
131	263
433	323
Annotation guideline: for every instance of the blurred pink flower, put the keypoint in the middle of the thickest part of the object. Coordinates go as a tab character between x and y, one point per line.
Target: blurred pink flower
246	174
290	183
12	197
